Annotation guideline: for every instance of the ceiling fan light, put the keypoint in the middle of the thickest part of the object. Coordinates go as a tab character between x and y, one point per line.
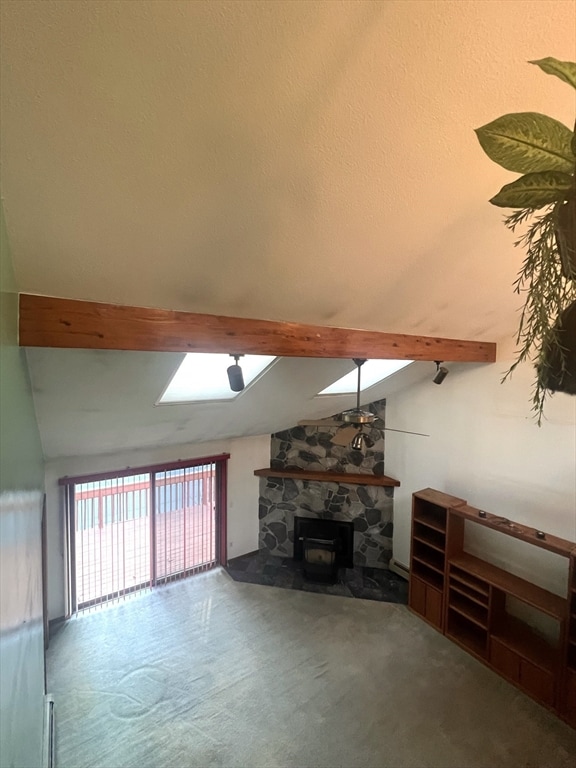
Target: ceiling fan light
357	442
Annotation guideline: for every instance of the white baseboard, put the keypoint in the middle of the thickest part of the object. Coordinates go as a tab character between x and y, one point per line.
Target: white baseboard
48	746
399	568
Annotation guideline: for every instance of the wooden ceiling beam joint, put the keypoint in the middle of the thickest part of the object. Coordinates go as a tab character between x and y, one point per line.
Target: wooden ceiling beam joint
66	323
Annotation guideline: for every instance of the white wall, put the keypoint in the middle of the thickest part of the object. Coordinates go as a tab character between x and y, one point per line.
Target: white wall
246	455
485	447
21	493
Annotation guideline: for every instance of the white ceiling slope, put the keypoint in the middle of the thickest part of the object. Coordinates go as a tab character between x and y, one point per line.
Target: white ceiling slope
309	162
91	402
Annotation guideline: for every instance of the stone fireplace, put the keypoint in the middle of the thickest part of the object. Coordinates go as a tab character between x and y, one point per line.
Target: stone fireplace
346	485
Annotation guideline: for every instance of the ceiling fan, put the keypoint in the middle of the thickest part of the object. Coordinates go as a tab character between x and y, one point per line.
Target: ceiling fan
352	420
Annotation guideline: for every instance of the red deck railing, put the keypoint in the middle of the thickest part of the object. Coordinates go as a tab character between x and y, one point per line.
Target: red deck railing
134	531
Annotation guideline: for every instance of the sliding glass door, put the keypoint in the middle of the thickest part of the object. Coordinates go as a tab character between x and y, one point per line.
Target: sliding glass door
131	530
185	520
112	537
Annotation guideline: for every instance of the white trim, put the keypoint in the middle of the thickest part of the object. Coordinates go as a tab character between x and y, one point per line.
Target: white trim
399	568
48	745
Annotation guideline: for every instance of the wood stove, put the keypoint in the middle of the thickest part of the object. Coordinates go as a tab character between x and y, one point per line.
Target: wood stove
323	546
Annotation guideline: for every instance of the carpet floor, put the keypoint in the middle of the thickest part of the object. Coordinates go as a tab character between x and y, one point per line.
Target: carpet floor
212	673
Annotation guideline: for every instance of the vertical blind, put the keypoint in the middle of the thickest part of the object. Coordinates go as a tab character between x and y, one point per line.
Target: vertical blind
185	520
131	530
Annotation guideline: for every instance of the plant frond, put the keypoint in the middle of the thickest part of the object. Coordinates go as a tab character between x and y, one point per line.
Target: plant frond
546	293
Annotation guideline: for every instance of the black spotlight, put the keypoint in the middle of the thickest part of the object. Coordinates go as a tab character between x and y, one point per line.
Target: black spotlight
357	442
441	373
235	376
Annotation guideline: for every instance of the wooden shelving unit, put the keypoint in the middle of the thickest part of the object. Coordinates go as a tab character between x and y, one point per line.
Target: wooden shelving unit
466	598
428	553
569	702
467	614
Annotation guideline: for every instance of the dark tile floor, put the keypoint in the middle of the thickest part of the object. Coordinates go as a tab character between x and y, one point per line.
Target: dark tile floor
367	583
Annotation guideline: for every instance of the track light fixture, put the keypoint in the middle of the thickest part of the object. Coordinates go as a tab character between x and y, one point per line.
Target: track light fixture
235	376
441	373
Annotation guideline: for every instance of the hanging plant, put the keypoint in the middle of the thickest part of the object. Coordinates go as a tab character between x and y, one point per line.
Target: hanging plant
544	151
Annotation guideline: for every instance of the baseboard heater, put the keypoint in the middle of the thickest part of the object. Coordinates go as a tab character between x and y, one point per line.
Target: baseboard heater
399	568
48	745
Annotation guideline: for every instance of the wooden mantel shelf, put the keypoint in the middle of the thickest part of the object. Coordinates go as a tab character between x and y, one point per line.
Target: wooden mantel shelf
328	477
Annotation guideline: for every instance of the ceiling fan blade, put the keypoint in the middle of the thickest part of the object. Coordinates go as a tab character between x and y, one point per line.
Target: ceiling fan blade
344	436
405	432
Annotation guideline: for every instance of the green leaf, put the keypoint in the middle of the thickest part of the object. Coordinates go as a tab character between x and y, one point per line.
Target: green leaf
565	70
526	142
534	190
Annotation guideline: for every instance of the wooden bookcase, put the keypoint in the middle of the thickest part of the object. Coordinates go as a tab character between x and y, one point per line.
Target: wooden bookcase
569	701
467	599
428	553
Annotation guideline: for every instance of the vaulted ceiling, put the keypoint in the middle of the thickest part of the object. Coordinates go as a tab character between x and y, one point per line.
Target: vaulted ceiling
309	162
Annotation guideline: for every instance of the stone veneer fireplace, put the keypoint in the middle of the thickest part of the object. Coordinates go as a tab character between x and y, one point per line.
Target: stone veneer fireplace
337	490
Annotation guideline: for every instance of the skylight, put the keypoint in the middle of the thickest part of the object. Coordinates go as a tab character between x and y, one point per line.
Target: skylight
202	377
372	372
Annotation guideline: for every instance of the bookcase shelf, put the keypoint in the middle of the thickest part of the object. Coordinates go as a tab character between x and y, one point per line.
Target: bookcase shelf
428	575
529	593
468	608
426	562
520	638
569	690
467	599
432	557
438	547
430	522
467	633
462	589
428	553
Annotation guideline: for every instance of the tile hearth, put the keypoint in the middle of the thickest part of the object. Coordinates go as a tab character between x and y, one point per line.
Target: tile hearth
366	583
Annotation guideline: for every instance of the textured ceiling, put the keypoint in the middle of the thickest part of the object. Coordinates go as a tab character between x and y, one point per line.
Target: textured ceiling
299	161
91	402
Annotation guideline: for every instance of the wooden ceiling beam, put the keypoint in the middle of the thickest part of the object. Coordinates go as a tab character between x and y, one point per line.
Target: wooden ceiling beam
51	322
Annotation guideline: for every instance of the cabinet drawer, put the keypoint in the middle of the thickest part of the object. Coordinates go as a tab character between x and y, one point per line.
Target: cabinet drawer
537	681
507	662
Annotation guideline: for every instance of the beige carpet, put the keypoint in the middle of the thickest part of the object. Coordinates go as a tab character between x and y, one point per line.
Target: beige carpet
210	672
